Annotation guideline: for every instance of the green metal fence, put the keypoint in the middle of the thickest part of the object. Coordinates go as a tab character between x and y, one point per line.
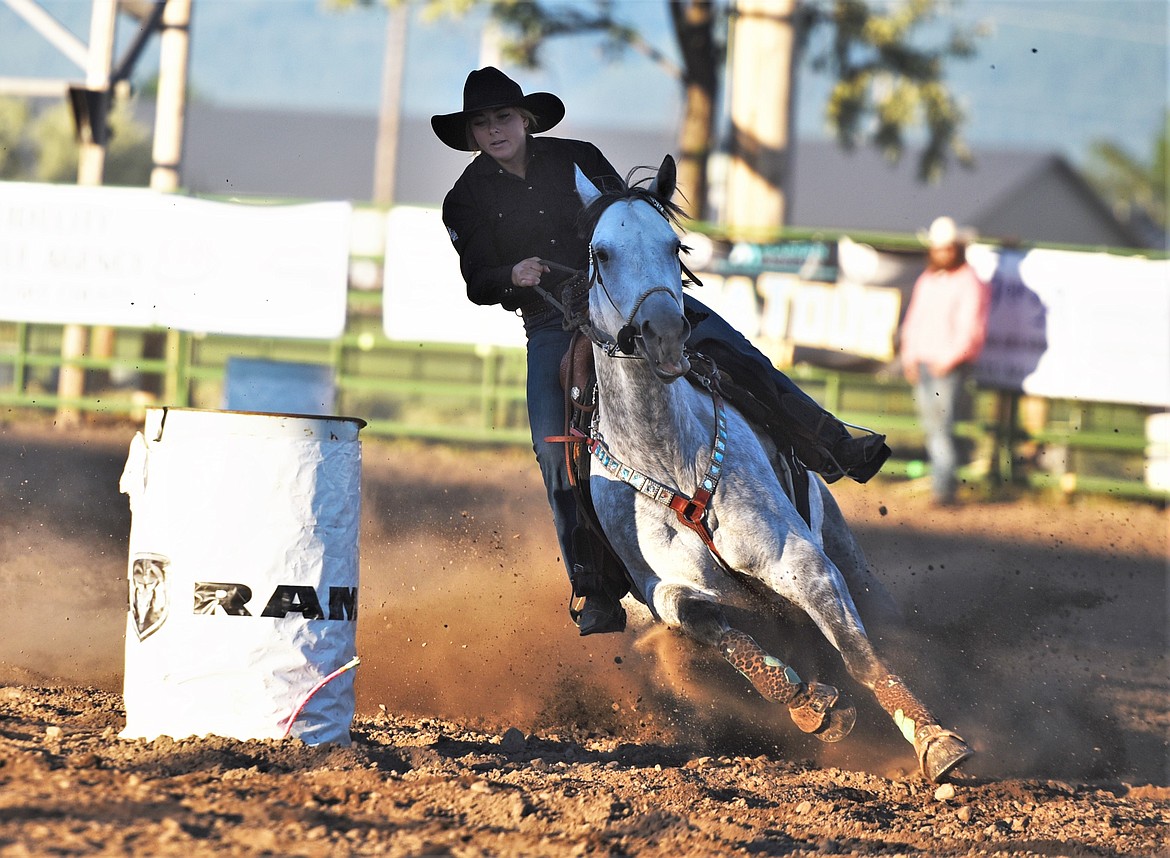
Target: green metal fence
470	394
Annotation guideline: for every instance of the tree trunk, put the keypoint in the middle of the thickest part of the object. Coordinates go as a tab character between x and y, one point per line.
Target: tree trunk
390	107
694	23
695	150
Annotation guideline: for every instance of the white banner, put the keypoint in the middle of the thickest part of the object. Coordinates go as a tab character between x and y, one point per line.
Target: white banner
1074	325
134	257
424	298
773	308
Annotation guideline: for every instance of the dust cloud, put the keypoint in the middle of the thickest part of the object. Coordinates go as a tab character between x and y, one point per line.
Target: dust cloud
1036	630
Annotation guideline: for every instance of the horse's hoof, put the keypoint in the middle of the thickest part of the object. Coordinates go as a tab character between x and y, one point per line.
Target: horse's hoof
940	753
824	712
839	722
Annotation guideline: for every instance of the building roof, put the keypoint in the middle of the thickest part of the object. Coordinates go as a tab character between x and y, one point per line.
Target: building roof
1010	195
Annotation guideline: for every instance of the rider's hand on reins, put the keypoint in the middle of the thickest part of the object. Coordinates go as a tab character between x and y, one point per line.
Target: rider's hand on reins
526	273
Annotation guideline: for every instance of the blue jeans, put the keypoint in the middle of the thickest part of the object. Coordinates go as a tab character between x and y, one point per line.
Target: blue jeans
547	344
939	400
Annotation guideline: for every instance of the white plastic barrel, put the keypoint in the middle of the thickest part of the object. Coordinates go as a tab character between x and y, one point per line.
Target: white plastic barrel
243	575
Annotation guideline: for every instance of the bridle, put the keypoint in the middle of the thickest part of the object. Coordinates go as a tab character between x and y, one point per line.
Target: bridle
627	335
625	343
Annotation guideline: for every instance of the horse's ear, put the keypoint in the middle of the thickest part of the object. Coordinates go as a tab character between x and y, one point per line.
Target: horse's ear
586	190
667	179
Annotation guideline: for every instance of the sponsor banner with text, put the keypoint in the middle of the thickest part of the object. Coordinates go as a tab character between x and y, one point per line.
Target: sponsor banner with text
133	257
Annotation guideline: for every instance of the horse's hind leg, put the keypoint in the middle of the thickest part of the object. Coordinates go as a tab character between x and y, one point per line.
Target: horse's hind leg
873	601
815	708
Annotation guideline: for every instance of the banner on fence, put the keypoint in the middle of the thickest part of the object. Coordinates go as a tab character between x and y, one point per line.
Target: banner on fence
424	298
1075	325
1064	324
777	311
133	257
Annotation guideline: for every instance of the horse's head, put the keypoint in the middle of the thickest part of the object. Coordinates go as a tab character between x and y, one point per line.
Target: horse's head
636	300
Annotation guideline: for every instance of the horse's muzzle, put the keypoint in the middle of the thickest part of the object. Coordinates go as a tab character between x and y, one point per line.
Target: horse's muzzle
672	370
663	348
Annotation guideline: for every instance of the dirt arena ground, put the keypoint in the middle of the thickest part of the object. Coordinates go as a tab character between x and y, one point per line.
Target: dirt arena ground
1035	627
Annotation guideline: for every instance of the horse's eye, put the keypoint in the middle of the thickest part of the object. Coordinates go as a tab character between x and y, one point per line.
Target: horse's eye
601	255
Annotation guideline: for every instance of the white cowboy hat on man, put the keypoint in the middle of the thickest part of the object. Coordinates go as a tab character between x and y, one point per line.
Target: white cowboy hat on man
944	232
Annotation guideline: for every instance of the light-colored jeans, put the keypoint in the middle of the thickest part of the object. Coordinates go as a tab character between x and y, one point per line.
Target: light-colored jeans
939	400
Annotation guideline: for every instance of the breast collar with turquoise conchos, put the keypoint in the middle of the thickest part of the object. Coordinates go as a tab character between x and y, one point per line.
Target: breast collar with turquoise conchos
691	511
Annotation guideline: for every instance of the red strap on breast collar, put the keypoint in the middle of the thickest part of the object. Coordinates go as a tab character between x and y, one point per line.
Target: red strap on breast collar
692	512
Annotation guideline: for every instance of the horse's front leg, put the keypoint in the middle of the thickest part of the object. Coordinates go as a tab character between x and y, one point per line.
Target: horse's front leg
687	596
823	595
814	707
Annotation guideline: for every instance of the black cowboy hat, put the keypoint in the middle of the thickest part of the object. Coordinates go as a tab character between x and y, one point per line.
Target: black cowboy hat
488	88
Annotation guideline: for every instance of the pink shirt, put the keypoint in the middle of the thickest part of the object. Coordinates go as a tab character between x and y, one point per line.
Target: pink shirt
946	323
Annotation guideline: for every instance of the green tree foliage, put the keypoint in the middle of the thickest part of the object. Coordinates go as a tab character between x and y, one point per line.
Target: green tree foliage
52	134
1137	189
42	146
885	84
128	157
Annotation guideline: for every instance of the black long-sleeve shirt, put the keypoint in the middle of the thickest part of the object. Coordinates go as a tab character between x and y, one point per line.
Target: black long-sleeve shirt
495	218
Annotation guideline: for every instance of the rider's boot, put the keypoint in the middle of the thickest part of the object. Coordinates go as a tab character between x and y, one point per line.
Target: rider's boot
596	605
599	614
829	449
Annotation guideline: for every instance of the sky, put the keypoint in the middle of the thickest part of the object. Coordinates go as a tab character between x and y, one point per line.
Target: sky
1050	75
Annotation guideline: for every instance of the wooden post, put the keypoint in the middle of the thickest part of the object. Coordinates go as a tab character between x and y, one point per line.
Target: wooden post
167	154
763	48
1006	436
91	163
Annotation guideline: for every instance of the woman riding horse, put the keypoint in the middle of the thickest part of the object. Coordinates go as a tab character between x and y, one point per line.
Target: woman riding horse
512	211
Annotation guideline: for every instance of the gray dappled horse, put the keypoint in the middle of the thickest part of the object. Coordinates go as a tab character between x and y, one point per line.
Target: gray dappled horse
690	498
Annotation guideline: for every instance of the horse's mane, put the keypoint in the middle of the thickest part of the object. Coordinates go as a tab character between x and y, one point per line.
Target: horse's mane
626	190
